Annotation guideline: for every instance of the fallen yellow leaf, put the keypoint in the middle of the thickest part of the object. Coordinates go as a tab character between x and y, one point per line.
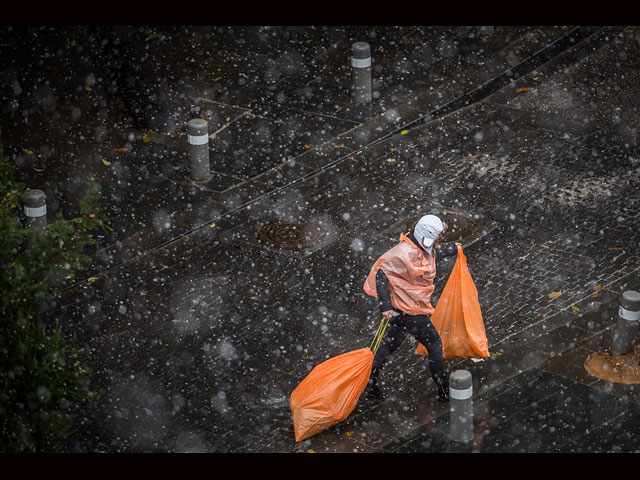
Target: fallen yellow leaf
122	149
107	163
88	88
575	308
38	169
92	279
348	434
523	89
27	151
404	132
615	248
150	36
212	225
146	139
311	451
391	160
597	287
555	294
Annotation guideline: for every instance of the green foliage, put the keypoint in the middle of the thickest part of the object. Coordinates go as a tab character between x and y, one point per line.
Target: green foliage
43	378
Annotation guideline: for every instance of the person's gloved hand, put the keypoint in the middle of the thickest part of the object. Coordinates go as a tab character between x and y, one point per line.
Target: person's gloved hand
448	250
389	314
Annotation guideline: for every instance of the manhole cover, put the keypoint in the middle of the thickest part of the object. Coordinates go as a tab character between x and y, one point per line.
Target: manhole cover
621	369
294	236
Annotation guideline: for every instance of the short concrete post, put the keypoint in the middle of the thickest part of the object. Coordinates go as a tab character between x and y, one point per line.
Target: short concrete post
361	72
626	329
198	137
35	208
460	406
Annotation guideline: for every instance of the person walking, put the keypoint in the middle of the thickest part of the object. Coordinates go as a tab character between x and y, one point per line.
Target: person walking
402	281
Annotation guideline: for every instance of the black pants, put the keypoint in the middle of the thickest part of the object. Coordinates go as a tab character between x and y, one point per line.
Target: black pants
422	329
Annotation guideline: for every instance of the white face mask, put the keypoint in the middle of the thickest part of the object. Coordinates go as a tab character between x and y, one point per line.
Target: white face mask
428	249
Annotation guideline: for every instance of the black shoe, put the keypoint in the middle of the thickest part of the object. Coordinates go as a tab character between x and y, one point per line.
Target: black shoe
443	390
443	397
375	391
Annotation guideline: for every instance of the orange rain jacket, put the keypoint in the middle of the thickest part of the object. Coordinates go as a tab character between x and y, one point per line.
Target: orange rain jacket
410	271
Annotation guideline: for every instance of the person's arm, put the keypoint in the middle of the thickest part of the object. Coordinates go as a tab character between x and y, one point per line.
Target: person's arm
447	250
383	291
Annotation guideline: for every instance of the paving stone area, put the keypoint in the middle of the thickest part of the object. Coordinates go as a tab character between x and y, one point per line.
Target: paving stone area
501	422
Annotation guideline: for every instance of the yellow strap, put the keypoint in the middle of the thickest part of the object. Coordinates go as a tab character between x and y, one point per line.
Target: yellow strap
379	334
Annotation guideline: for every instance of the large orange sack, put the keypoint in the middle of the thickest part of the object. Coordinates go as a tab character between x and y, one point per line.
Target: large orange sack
458	317
330	392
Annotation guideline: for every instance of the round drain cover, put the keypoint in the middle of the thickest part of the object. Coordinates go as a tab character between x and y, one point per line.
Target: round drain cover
622	369
291	235
459	226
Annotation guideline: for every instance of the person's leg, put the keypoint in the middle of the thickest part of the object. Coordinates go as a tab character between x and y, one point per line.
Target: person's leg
392	339
422	329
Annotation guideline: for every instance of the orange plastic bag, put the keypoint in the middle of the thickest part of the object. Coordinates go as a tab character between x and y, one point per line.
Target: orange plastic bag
457	316
330	392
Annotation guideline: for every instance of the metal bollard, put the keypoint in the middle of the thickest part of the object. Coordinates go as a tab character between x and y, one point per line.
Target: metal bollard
198	137
35	208
361	72
626	329
461	406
